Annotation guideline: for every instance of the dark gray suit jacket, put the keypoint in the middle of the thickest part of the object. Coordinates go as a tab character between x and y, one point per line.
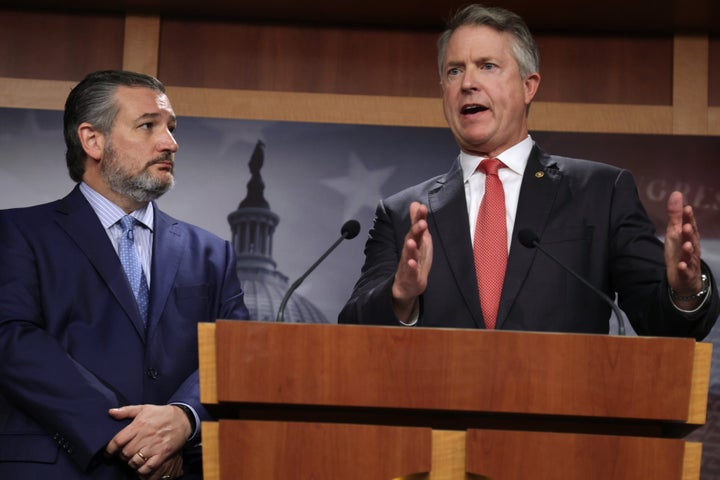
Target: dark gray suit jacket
586	214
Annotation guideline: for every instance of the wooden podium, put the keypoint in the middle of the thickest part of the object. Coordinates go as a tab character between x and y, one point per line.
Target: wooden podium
302	401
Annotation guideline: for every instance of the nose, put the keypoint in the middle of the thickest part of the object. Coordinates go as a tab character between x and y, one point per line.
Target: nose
469	80
167	142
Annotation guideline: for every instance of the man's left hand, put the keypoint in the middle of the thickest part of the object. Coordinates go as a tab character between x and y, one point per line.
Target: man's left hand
682	250
156	434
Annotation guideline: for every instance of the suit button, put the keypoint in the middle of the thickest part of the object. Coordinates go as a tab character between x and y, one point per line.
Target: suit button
152	373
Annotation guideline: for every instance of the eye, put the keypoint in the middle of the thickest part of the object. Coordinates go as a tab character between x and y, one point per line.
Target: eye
146	126
488	66
453	72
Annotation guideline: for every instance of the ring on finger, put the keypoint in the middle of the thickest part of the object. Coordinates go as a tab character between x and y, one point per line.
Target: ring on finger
142	457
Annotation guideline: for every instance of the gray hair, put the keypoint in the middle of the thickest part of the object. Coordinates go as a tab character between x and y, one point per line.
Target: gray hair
524	48
93	101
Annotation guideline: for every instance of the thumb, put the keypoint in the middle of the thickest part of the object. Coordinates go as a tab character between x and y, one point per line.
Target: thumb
128	411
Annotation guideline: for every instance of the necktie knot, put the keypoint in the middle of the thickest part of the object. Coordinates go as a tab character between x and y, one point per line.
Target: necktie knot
490	166
127	223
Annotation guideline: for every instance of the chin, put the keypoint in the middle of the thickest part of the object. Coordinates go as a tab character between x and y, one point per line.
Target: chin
164	177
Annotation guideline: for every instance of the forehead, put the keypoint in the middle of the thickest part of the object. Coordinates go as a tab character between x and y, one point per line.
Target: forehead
478	41
135	102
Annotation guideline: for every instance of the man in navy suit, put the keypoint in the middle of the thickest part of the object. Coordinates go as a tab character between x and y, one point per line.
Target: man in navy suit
420	269
94	381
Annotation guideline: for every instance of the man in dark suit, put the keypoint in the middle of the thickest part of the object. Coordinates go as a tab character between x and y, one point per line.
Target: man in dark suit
98	372
425	260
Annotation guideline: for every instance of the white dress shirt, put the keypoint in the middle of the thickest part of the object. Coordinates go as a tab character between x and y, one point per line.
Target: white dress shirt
515	159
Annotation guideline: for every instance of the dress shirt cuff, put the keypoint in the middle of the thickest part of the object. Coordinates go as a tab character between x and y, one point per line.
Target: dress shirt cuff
193	418
415	315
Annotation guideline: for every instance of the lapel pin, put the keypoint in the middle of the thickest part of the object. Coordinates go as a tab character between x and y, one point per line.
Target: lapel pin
539	174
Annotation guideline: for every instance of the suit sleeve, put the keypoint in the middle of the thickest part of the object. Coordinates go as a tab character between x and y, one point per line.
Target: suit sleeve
371	299
639	276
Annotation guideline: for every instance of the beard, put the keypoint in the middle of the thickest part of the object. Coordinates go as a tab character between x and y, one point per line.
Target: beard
143	187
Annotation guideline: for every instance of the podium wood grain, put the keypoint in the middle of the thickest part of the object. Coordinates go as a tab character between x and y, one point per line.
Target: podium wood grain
646	378
513	455
334	397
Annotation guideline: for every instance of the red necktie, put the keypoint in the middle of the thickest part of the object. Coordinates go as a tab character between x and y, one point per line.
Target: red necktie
490	243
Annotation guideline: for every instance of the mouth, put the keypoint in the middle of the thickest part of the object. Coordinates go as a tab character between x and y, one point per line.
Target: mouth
164	167
473	108
163	164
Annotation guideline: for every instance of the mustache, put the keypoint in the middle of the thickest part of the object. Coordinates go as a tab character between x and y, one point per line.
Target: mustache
164	158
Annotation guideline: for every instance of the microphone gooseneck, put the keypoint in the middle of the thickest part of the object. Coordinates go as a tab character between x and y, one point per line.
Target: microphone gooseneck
349	230
529	239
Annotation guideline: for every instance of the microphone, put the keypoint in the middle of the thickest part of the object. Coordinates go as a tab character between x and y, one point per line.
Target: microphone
530	239
349	230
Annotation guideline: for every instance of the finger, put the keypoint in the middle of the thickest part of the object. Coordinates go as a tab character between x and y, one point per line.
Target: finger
138	460
171	469
414	207
675	212
675	203
112	447
418	230
156	466
689	227
127	440
120	445
418	212
121	439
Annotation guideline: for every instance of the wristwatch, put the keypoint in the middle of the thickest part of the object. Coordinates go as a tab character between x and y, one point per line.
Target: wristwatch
697	296
189	414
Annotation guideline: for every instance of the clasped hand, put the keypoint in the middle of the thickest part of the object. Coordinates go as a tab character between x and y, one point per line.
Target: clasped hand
153	441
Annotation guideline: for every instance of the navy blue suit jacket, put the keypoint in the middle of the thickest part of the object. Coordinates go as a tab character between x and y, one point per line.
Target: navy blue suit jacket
73	345
586	214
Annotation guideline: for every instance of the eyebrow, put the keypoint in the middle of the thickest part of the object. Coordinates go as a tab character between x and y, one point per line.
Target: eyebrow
483	59
154	116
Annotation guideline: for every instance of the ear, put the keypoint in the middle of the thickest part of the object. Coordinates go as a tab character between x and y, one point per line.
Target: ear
93	141
531	84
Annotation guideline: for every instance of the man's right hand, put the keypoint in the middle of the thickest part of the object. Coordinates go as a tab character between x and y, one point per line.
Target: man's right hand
415	262
170	469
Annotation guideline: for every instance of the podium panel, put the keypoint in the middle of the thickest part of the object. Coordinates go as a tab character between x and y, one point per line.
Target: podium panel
517	455
494	404
283	450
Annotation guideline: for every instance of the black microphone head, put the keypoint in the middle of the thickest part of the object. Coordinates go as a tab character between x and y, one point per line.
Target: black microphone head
350	229
528	238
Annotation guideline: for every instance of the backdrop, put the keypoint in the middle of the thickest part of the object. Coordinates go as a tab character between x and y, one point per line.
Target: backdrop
317	176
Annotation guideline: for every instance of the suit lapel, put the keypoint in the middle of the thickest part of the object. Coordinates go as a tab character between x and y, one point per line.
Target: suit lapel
539	189
168	246
77	218
448	213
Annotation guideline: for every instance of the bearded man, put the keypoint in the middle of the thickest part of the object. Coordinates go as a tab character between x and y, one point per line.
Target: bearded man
100	297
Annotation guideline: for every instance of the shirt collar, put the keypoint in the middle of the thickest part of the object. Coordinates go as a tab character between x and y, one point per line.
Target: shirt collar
515	158
109	213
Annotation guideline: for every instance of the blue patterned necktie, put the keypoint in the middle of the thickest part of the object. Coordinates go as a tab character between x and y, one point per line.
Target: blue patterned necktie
131	263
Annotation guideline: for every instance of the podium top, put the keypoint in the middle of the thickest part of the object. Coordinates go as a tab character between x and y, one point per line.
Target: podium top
455	370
